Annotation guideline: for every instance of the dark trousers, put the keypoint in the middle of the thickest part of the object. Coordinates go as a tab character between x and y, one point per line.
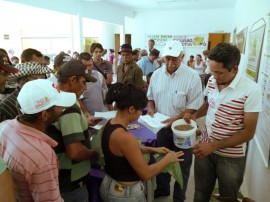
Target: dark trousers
165	139
228	171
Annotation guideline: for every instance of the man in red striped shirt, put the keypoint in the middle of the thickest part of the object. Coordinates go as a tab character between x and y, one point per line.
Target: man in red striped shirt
232	107
25	147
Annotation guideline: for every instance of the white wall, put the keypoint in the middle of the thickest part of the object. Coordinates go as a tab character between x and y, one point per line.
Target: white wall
180	22
257	176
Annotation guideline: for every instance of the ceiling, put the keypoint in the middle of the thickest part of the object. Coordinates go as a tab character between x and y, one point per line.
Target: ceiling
150	5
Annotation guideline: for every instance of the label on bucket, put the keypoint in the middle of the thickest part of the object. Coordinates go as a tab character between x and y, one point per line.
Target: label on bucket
183	142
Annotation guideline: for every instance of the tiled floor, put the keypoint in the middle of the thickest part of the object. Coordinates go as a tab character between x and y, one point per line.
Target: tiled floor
191	185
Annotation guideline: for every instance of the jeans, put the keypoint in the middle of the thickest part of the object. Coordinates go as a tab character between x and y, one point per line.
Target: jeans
77	195
112	191
165	139
228	171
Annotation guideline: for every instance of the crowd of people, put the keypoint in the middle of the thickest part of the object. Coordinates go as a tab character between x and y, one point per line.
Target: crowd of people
47	117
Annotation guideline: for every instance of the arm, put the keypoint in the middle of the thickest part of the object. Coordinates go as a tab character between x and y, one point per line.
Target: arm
198	114
159	150
78	152
109	79
169	121
250	123
151	107
132	151
90	119
7	187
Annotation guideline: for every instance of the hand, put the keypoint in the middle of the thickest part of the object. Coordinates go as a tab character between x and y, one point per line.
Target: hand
90	120
203	149
174	156
187	116
94	156
150	112
161	150
169	122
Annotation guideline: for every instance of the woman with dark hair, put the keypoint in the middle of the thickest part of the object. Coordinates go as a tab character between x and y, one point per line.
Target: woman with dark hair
125	166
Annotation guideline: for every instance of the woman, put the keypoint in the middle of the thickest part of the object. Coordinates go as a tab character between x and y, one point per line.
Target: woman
190	62
199	65
125	166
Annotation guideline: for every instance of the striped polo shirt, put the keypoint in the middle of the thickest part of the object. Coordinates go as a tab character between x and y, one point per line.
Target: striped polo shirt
33	164
70	128
225	115
174	93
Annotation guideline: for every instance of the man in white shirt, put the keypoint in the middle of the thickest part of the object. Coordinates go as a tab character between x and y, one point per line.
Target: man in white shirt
232	107
174	90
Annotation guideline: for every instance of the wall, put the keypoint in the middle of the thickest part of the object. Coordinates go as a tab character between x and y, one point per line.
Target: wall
180	22
257	176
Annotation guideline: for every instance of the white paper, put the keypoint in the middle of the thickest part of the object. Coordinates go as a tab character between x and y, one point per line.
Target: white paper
153	123
105	116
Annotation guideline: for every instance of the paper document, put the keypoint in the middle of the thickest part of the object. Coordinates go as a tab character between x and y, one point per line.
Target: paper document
153	123
105	117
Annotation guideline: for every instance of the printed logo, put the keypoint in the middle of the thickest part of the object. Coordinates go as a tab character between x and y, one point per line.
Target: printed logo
211	103
42	102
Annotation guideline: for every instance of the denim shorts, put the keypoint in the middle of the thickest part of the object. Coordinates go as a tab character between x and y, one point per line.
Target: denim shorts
112	191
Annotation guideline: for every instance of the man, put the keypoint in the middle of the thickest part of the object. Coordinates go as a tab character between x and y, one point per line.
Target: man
27	149
103	66
147	64
5	70
59	60
7	187
94	96
135	55
129	71
28	71
231	109
71	133
31	55
174	90
151	44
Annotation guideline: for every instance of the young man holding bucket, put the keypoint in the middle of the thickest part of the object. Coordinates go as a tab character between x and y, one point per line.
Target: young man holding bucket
174	90
232	107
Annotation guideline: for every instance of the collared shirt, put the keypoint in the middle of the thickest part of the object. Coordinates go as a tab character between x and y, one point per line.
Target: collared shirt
225	115
132	75
33	164
146	65
94	96
105	67
174	93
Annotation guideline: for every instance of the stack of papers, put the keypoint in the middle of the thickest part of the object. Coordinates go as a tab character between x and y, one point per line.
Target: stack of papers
105	117
153	123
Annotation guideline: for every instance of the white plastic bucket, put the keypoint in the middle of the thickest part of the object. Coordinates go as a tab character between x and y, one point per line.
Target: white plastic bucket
184	139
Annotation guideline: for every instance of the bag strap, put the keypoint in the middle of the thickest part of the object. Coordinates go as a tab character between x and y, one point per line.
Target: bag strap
105	76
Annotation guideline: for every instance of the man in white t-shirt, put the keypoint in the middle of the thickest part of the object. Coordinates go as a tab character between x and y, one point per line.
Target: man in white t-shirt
232	107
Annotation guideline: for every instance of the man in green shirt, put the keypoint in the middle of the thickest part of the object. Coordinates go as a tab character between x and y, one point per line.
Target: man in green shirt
71	133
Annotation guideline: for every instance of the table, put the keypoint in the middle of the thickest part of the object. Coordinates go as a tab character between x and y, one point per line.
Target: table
148	138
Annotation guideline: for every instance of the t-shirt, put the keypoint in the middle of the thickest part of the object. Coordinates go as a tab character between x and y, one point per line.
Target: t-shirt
71	127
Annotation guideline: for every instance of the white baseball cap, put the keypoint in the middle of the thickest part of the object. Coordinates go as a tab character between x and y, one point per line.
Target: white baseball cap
172	48
41	94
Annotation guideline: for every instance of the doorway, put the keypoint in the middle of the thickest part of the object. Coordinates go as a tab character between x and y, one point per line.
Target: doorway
216	38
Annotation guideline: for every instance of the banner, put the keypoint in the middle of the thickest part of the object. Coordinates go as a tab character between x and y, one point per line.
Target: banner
186	40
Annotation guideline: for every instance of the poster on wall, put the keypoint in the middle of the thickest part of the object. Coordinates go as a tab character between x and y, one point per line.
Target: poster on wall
241	40
254	50
87	42
186	40
262	137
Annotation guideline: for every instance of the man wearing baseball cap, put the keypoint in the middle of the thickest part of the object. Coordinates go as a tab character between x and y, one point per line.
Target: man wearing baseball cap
59	61
71	133
26	148
174	90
